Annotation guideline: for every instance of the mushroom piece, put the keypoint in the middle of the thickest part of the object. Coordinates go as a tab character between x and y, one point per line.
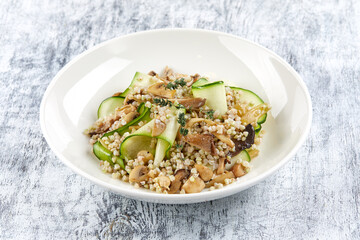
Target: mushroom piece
253	153
176	184
130	116
221	167
194	78
202	141
146	155
164	181
225	139
138	174
238	170
249	141
192	121
167	73
204	172
193	185
127	109
158	128
129	99
117	94
220	179
159	89
193	103
133	128
104	125
152	73
255	113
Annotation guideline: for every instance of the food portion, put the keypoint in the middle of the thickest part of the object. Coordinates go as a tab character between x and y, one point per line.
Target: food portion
177	133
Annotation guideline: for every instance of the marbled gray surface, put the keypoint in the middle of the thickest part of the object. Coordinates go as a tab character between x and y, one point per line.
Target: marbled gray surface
315	196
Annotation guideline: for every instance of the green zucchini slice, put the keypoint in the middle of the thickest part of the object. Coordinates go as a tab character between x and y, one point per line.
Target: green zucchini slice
253	99
109	105
141	140
140	80
244	155
257	128
102	153
144	116
215	95
200	82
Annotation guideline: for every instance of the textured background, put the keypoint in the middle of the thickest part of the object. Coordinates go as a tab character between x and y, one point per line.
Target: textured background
315	196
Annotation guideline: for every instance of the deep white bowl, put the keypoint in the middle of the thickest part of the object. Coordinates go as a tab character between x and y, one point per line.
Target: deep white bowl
70	102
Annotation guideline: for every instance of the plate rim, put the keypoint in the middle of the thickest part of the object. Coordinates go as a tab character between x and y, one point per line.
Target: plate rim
177	198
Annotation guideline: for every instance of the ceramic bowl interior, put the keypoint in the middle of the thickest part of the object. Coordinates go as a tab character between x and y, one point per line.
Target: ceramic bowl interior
70	103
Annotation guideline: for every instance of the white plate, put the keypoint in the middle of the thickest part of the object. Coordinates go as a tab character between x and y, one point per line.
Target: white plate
70	102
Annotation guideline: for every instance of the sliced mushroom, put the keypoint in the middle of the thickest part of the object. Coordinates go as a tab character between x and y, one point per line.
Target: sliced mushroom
194	78
164	181
129	99
204	172
152	73
146	155
103	125
221	167
138	174
253	153
159	89
251	116
202	141
130	116
117	94
167	73
220	179
249	141
238	170
195	186
159	127
193	103
176	184
133	128
192	121
127	109
225	139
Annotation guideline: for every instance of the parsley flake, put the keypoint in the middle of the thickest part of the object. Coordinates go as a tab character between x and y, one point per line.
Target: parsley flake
178	145
184	131
181	119
162	102
174	85
210	114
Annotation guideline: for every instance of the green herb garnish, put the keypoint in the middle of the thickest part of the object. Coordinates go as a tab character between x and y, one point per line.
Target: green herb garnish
178	145
162	102
180	82
210	114
184	131
171	86
178	106
174	85
181	119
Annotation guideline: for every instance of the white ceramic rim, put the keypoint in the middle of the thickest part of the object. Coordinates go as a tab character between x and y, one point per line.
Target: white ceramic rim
198	197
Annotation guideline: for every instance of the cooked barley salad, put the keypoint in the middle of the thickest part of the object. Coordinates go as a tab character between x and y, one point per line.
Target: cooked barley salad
175	133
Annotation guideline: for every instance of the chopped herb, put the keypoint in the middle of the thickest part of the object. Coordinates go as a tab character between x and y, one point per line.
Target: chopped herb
180	82
162	102
178	106
189	110
171	86
174	85
210	114
178	145
184	131
181	119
